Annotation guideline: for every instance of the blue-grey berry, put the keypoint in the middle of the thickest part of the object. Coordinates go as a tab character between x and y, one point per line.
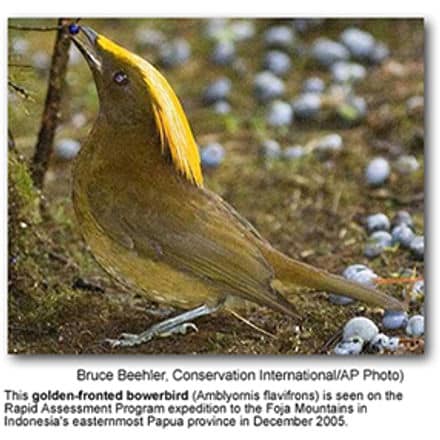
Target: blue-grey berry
277	62
417	292
314	85
212	155
306	105
267	86
392	344
406	164
377	222
362	327
344	71
280	114
377	171
279	36
242	30
353	346
270	149
219	90
175	53
327	52
223	53
222	107
376	244
20	46
417	247
402	235
293	152
361	44
67	149
402	217
379	54
357	273
147	37
379	342
393	320
416	326
40	60
329	144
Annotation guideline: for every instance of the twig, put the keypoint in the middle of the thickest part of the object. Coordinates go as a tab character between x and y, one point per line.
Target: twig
19	89
250	324
43	148
11	141
19	27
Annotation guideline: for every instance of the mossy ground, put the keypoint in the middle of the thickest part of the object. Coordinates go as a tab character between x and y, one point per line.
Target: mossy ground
61	302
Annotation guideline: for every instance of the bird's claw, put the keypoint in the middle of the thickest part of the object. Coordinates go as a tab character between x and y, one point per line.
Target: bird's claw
131	339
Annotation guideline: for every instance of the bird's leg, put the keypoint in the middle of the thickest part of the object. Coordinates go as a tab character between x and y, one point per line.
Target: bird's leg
170	326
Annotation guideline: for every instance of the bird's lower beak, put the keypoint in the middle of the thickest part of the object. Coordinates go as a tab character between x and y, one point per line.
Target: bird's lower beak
86	42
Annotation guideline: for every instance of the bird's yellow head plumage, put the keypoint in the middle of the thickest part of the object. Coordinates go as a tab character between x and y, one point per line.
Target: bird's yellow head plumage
125	82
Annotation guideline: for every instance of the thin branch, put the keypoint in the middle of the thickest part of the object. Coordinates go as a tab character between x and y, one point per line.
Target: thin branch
43	148
11	141
19	89
19	27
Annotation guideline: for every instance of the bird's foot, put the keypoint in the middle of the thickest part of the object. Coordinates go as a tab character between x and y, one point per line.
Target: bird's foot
132	339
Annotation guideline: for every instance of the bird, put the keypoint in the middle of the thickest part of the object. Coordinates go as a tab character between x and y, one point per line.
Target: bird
149	220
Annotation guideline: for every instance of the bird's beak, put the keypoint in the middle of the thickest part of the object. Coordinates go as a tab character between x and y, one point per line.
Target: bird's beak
86	42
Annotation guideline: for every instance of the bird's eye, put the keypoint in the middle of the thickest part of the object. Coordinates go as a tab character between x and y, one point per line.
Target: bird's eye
120	78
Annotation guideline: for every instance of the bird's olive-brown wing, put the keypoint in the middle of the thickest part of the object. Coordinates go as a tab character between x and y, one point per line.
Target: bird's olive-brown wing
195	232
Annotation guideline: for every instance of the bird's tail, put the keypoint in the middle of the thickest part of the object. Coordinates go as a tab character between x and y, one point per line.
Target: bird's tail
289	271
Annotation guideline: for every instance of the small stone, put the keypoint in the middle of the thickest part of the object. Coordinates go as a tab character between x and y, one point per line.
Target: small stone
67	149
293	152
267	86
175	53
280	114
353	346
279	36
212	155
376	244
222	107
307	105
377	222
314	85
417	247
362	327
393	320
416	326
219	90
361	44
277	62
377	171
402	217
270	149
343	72
327	52
403	235
406	164
223	53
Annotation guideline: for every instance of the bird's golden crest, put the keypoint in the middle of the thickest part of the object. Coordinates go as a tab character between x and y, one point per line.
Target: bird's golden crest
173	126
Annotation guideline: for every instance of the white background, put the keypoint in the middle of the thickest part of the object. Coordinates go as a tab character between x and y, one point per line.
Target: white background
417	415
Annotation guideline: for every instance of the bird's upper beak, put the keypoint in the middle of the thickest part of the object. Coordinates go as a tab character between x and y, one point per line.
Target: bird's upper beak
86	42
